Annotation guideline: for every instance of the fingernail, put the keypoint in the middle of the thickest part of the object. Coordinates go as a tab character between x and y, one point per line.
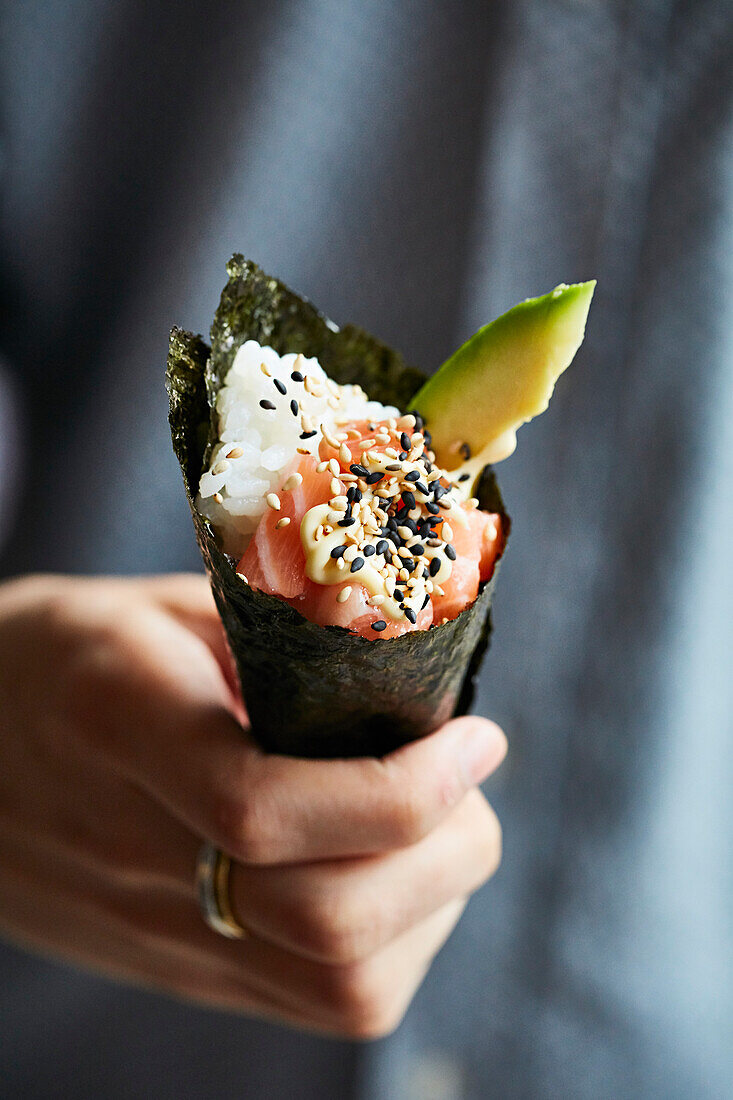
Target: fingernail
483	749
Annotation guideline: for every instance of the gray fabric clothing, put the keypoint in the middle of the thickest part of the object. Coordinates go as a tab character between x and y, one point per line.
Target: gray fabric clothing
417	168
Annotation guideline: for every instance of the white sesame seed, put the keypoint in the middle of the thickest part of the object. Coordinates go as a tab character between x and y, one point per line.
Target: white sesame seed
472	502
447	531
335	486
339	504
407	421
344	454
404	532
302	450
273	501
333	402
376	601
437	590
306	423
334	517
344	594
404	552
340	563
391	452
404	575
350	552
282	522
321	467
293	482
352	433
366	444
236	452
220	467
218	498
265	370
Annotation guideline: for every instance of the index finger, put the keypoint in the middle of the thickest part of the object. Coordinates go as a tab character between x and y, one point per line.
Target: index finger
269	809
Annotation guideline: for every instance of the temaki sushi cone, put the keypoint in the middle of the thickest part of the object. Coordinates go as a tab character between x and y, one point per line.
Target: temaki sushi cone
310	689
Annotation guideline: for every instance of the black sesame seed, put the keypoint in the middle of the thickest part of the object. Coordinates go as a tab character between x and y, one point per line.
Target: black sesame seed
369	550
280	386
432	508
410	525
425	601
382	546
410	614
360	471
465	451
393	468
439	491
294	407
296	376
434	567
351	494
265	404
421	487
356	565
338	551
428	438
374	477
380	624
308	435
419	422
357	495
405	441
402	456
346	522
450	552
417	551
414	475
408	500
464	477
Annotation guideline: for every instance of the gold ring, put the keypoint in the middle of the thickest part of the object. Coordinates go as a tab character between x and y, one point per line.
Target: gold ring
212	888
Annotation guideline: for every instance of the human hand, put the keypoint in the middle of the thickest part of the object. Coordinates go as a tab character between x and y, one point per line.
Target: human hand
120	750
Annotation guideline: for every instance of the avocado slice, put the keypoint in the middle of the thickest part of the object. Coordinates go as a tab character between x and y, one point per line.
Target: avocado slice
502	377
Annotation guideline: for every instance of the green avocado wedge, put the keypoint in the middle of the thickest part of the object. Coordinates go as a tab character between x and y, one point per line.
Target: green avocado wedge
502	377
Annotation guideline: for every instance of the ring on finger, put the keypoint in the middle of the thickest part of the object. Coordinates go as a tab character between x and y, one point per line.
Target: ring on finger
212	888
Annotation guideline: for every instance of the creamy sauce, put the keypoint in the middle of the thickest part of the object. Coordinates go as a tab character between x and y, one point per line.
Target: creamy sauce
321	568
495	451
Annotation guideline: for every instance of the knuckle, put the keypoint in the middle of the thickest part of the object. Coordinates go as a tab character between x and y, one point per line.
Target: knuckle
245	825
335	927
366	1005
407	812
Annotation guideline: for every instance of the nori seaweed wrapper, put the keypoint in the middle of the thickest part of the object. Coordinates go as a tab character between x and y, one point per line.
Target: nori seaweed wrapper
312	690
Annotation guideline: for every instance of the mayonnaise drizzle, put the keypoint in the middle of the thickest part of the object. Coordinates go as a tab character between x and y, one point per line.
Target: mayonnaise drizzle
321	568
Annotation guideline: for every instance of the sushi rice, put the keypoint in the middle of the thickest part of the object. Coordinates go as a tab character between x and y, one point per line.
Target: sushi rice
260	434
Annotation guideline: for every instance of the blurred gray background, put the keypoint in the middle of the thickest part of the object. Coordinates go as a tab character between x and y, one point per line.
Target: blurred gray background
416	168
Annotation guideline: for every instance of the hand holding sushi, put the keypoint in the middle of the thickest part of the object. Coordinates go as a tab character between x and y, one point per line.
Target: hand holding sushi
121	749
